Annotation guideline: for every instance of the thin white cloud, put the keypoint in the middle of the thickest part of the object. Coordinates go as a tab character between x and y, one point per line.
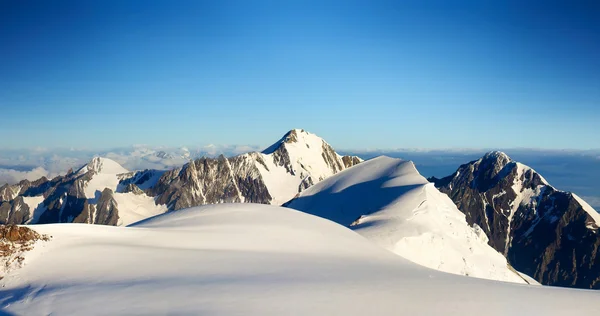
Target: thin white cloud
12	176
245	149
16	165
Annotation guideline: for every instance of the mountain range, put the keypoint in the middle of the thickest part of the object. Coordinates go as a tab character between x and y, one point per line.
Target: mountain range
498	219
103	192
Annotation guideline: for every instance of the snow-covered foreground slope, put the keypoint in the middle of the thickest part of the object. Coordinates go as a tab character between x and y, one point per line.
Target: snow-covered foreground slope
249	259
390	203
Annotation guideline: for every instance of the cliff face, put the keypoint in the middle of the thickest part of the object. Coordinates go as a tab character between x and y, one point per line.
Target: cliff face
211	181
546	233
294	163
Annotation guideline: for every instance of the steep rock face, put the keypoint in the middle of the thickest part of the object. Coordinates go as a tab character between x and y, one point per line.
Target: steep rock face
210	181
107	212
24	188
66	201
546	233
350	161
14	211
297	161
133	188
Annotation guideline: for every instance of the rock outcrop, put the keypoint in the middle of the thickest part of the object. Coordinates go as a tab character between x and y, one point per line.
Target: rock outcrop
14	241
546	233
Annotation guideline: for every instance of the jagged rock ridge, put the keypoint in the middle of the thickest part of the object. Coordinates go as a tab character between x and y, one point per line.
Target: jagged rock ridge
546	233
92	193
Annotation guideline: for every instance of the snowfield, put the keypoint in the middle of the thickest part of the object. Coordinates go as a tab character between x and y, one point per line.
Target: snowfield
390	203
245	259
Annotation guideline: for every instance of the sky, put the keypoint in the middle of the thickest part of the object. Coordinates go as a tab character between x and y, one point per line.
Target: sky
361	74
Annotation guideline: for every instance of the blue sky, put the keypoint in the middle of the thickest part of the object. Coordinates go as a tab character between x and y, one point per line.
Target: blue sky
361	74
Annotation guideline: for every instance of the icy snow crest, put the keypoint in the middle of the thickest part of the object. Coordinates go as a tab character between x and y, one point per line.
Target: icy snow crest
297	161
102	165
390	203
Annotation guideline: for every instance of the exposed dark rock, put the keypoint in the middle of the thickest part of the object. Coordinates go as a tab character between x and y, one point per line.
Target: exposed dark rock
144	180
14	211
281	157
132	188
350	161
107	212
209	181
543	232
331	158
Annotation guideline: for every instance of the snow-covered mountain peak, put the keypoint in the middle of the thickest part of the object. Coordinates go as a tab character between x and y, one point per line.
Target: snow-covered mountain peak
498	158
100	165
492	164
295	137
495	154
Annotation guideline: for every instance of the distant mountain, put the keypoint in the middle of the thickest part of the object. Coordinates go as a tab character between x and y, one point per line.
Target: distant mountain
549	234
103	192
387	201
88	195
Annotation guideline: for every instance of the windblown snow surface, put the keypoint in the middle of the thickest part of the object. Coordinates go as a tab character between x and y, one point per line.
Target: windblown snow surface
245	259
390	203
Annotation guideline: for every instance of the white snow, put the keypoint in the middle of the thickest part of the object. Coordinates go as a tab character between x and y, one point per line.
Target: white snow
590	210
524	196
243	259
133	207
402	212
98	183
528	279
306	159
36	207
102	165
105	175
282	185
521	169
13	192
33	201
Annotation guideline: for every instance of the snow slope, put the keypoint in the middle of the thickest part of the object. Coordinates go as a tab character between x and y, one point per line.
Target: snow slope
136	207
591	211
105	173
389	202
305	153
36	206
244	259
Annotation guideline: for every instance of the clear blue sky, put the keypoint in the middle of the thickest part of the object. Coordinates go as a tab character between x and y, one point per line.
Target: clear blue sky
361	74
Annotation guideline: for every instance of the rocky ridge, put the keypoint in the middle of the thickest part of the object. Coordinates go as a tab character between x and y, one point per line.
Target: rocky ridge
549	234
